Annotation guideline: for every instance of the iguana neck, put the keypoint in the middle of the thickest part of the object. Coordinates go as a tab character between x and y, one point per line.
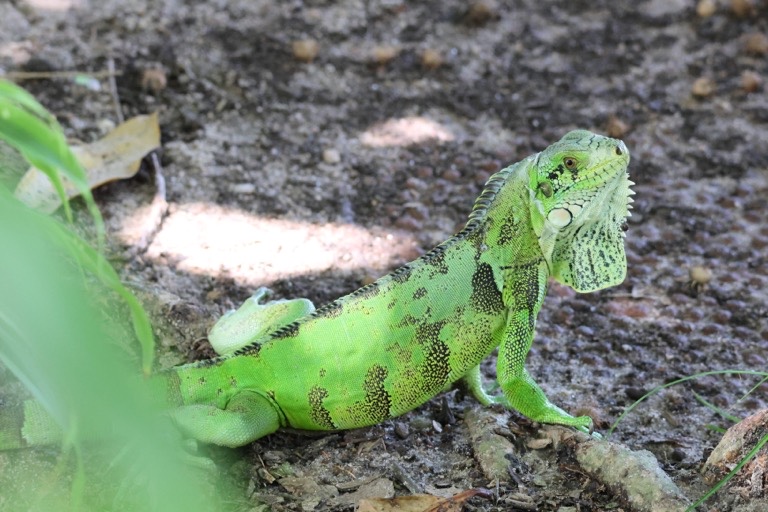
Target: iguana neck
500	223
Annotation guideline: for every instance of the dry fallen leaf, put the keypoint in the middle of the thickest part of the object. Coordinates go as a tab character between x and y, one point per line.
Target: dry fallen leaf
114	157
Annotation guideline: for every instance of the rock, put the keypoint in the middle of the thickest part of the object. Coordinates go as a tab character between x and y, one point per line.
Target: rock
737	442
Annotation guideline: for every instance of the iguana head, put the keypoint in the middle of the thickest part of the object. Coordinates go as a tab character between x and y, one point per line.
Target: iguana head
580	199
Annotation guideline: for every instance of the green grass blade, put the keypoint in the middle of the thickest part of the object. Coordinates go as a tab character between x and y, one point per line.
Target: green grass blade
709	405
676	382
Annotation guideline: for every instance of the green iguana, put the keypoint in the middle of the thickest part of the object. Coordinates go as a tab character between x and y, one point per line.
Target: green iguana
392	345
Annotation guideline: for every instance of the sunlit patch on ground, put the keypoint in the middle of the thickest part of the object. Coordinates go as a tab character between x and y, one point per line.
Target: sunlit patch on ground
200	238
405	131
55	5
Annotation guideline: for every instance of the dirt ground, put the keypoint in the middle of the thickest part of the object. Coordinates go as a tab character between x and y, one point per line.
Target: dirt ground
315	167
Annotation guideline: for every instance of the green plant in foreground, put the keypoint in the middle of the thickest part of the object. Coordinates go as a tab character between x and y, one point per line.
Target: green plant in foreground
34	132
65	347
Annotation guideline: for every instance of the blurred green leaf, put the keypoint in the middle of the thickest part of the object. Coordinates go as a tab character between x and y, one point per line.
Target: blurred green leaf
61	336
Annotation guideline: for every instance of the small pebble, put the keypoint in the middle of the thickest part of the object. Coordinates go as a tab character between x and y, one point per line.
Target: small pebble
591	360
305	50
538	444
634	393
616	127
415	184
384	54
481	12
418	211
699	276
243	188
489	166
722	316
742	8
105	125
706	8
751	81
424	171
431	59
703	87
452	175
421	424
154	79
756	43
711	329
481	176
754	360
735	305
331	156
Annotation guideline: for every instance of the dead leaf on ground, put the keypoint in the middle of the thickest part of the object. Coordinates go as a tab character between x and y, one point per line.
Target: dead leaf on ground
113	157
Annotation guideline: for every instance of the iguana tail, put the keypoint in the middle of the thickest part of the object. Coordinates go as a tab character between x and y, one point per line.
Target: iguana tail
27	425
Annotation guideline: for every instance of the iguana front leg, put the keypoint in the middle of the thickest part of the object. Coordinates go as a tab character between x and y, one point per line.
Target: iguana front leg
527	392
523	294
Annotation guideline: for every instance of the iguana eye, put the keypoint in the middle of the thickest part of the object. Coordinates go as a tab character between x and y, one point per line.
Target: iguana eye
545	188
570	163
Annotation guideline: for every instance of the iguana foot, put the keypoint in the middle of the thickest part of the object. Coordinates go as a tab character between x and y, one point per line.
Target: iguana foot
248	416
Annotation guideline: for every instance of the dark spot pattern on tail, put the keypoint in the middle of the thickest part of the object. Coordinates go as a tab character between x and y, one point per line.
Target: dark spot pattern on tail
409	320
375	407
436	367
377	399
317	410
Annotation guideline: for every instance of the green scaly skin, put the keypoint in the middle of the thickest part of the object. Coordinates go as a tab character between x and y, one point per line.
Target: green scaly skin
392	345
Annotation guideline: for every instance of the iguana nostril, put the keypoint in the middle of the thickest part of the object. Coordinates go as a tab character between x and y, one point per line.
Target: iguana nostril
618	150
